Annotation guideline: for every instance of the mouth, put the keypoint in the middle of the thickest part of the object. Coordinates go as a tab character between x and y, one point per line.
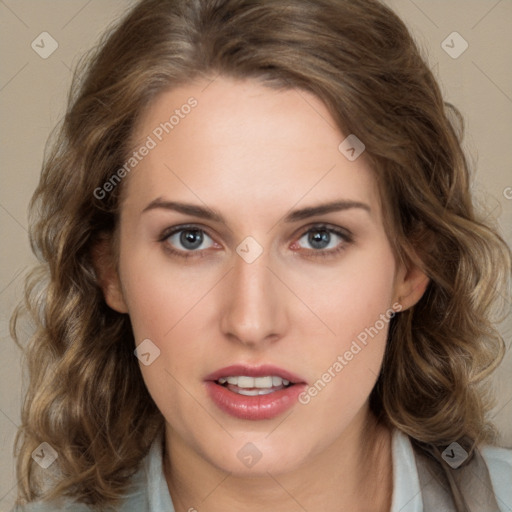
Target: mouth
254	393
254	386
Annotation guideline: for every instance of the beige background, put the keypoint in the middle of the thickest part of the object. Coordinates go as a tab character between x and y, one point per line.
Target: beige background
32	99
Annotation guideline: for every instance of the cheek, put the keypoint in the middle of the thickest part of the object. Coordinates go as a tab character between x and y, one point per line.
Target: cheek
355	303
166	304
158	292
352	296
162	302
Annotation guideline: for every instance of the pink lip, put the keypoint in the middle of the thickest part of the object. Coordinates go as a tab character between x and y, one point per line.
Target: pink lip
254	371
260	407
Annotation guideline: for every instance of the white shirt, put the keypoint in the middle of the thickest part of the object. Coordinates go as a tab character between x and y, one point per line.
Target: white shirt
151	494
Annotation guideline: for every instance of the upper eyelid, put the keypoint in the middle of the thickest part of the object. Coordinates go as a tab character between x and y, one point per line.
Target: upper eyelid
304	229
324	225
167	232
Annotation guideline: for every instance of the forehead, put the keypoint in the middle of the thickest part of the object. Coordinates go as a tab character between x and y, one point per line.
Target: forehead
242	145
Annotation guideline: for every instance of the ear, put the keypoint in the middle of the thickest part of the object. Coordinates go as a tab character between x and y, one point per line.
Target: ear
107	274
411	283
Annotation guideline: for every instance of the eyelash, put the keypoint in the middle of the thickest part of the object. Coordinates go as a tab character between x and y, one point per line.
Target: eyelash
345	235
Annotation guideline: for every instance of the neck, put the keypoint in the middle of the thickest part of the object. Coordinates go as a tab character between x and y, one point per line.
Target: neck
354	473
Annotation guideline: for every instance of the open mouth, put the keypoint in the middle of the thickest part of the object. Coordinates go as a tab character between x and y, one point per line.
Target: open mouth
254	386
254	392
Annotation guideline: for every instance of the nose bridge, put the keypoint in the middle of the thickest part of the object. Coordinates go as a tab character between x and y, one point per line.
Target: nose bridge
253	311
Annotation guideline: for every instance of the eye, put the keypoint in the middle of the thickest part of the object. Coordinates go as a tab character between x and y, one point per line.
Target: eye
188	239
323	239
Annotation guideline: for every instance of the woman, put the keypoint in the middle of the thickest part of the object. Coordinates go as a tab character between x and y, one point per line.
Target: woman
263	284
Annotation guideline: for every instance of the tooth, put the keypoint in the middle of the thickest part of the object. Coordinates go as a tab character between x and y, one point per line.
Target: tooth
263	382
276	381
247	392
245	382
254	392
265	391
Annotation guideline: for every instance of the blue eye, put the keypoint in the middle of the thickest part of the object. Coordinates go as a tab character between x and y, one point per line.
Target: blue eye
189	239
321	238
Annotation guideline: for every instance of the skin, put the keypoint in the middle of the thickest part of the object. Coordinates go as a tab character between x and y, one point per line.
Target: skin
253	154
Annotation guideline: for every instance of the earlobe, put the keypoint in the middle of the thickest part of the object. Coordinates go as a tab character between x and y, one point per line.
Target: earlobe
411	286
108	276
114	295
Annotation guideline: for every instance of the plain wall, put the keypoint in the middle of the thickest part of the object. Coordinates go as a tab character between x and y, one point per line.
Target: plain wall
33	91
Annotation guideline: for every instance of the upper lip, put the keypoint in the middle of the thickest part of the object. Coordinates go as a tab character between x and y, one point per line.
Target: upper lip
254	371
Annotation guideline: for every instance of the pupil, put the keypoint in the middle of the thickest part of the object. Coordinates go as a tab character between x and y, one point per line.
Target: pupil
319	239
191	239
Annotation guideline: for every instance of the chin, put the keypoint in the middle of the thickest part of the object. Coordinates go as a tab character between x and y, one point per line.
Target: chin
257	455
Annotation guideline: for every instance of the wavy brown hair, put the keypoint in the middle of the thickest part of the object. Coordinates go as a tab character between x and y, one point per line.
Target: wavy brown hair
86	396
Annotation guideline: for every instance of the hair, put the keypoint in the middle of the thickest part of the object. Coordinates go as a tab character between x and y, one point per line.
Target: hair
86	396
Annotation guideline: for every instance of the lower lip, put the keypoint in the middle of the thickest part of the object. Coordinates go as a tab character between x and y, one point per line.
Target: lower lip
260	407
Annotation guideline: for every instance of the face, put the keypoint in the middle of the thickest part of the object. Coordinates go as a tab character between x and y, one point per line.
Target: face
250	246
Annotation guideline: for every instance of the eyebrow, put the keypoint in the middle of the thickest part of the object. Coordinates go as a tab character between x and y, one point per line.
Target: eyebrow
294	216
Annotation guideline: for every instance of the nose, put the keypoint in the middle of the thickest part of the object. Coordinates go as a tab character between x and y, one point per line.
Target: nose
254	304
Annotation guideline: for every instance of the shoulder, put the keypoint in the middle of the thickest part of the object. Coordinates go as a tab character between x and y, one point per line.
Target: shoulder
135	500
142	496
133	503
412	482
497	458
51	506
499	464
